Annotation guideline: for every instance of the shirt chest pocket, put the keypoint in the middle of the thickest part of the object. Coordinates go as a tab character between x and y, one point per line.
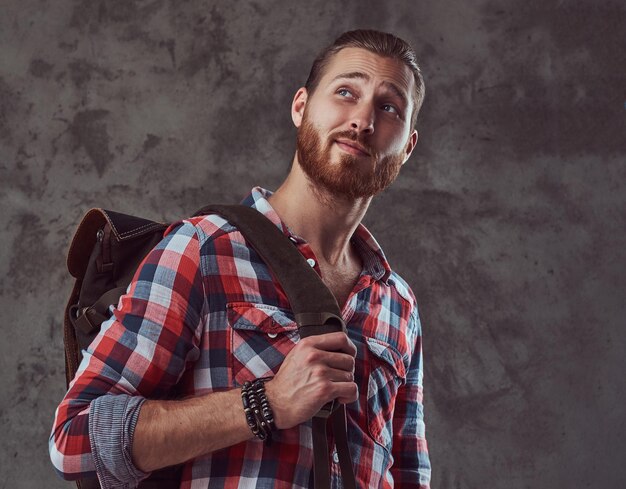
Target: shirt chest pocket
387	374
260	338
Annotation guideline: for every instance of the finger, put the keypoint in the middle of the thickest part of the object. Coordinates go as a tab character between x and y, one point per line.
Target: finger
338	341
337	375
336	360
347	392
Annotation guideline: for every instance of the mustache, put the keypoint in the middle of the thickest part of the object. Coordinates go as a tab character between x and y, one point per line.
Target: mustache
353	136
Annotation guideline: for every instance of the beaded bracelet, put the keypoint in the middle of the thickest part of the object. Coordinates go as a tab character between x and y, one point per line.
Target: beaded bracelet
256	407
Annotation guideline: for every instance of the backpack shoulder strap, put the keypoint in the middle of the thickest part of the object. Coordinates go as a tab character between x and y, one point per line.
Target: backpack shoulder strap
316	312
314	306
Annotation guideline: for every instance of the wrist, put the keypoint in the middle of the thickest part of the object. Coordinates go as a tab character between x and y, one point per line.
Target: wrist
257	410
273	397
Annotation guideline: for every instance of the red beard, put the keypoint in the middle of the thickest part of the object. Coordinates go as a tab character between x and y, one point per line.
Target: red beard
352	177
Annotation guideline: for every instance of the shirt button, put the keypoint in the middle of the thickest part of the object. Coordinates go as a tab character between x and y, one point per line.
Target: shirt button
293	239
335	457
310	261
272	335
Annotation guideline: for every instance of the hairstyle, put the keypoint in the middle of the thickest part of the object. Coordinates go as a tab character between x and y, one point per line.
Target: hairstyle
380	43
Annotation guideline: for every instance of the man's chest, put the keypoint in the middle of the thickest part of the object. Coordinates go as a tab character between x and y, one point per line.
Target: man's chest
249	327
341	282
256	330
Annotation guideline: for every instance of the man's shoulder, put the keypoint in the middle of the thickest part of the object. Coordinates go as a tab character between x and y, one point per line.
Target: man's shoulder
207	227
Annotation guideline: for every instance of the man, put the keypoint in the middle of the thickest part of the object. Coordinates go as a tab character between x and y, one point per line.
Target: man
204	315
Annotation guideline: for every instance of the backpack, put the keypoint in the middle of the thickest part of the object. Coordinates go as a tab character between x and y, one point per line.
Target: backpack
104	254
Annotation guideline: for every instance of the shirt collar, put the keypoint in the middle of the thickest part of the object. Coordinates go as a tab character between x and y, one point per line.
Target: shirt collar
374	261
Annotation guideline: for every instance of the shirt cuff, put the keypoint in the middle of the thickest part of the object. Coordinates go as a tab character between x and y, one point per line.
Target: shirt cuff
112	421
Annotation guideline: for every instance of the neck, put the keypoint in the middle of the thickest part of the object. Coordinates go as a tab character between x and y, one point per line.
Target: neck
325	221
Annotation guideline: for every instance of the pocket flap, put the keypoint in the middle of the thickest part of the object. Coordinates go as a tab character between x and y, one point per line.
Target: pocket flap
260	317
388	354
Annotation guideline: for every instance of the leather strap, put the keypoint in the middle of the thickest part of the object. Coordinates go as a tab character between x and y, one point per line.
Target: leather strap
316	312
321	469
90	318
302	285
340	430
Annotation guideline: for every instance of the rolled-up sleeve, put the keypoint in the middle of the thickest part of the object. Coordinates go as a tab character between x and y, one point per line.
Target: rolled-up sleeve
411	467
140	353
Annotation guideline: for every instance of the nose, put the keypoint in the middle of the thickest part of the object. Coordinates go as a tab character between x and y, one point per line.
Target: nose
363	119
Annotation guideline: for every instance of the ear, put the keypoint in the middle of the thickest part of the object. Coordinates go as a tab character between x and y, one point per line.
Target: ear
410	145
297	106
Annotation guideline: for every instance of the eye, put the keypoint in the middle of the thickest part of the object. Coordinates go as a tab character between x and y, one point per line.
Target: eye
391	109
344	92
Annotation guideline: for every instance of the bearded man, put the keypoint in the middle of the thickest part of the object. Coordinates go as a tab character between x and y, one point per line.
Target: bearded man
195	318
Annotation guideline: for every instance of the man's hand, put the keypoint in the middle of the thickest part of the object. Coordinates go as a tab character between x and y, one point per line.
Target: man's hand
317	370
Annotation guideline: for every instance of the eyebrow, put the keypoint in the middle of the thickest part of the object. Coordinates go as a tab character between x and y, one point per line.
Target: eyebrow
364	76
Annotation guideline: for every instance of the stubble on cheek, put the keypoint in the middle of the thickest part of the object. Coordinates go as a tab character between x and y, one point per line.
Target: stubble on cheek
348	178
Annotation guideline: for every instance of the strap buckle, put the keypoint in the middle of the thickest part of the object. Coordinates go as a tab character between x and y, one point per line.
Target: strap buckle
315	323
327	409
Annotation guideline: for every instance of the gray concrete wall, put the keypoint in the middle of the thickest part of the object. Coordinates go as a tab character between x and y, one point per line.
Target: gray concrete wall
508	220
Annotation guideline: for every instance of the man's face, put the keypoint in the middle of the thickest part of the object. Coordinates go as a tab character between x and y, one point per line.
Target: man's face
354	131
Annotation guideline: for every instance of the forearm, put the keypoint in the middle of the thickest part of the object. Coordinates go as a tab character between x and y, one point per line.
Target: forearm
172	432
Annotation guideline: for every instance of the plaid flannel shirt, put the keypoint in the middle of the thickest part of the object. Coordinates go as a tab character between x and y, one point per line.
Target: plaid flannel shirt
203	313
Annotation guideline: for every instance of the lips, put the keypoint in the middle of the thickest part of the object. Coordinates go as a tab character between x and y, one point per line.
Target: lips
352	147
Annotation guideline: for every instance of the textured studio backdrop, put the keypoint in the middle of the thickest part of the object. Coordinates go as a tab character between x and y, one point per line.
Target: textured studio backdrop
508	220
